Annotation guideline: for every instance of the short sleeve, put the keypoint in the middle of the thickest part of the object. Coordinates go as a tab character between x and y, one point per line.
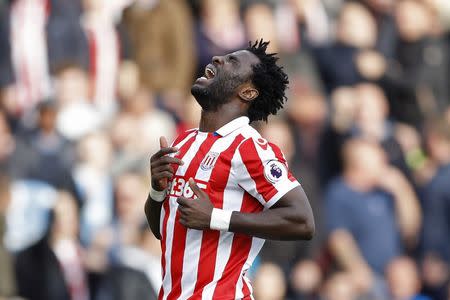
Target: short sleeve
261	169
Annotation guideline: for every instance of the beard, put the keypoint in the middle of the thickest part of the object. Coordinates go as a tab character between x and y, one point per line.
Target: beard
217	93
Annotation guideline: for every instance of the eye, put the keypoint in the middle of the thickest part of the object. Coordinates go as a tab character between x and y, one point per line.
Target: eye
232	58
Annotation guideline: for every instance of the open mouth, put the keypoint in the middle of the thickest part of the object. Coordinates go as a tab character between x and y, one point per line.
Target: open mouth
209	72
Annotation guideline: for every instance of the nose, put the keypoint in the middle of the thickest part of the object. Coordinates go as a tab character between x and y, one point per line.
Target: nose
218	60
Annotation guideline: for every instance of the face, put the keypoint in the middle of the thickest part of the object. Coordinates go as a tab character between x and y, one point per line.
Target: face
222	79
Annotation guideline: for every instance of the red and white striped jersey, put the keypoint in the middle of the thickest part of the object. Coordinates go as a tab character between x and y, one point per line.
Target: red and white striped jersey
240	171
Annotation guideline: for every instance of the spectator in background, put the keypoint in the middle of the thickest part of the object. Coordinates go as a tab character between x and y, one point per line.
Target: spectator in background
103	38
260	22
29	52
436	206
137	129
269	282
7	282
416	83
130	195
372	123
77	116
94	183
340	286
371	212
305	280
161	35
44	153
382	10
403	280
345	62
343	109
52	269
137	275
66	40
219	30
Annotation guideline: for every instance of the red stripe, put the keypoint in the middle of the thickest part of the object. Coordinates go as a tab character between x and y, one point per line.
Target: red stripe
180	155
255	168
179	233
210	240
240	250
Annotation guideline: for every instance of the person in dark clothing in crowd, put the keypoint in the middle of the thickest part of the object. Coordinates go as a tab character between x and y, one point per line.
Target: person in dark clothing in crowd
43	153
52	269
436	208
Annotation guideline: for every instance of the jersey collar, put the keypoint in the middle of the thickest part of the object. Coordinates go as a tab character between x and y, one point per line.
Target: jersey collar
232	126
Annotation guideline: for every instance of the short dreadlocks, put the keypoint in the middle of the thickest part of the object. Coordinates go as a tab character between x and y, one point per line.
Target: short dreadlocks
270	80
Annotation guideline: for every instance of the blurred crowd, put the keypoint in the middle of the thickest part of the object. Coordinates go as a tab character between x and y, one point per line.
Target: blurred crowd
88	86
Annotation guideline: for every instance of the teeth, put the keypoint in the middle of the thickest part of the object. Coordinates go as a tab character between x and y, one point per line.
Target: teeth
209	73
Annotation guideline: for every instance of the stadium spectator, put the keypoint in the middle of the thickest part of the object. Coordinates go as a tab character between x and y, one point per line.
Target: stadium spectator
218	30
269	282
305	280
53	267
403	280
94	183
43	152
436	203
161	35
340	286
371	213
137	275
72	98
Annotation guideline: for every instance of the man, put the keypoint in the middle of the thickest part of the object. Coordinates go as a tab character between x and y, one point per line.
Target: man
220	190
371	213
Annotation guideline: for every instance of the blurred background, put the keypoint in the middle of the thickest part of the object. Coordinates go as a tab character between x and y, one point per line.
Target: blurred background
88	86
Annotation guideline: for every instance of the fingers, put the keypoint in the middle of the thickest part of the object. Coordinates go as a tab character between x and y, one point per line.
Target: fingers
162	175
162	152
163	142
194	187
166	160
183	202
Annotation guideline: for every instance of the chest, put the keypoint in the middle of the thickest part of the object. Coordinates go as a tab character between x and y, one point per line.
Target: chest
209	165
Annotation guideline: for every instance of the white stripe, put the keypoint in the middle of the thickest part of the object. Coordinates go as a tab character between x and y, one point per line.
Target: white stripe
256	246
192	253
232	200
167	280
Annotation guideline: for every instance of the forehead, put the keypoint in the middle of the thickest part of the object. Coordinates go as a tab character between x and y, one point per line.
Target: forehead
245	56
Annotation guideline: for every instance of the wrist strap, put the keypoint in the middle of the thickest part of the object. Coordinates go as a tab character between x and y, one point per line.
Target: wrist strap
220	219
158	196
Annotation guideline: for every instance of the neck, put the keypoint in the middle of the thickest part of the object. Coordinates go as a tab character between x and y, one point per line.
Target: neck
357	181
210	121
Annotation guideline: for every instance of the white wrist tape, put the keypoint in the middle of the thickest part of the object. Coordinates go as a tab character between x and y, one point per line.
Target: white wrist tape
220	219
158	196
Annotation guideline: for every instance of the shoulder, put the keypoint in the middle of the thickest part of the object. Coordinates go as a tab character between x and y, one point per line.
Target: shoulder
337	190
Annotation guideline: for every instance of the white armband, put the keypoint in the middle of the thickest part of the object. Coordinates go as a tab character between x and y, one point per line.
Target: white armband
220	219
158	196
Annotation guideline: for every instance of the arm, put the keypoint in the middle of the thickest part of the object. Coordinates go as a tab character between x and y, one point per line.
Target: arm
161	171
290	218
344	249
406	204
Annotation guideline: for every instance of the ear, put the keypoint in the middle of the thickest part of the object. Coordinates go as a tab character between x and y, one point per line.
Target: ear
248	93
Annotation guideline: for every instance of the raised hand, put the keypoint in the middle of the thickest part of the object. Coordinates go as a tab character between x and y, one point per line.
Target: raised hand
160	165
195	213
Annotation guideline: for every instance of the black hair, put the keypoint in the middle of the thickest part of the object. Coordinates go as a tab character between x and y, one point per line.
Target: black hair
270	80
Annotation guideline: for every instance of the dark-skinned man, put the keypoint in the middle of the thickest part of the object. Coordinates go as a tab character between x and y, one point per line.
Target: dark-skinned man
220	190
